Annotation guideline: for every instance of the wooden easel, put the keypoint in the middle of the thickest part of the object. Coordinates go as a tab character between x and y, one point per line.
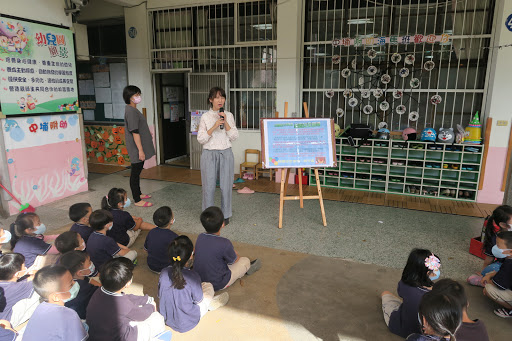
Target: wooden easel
301	197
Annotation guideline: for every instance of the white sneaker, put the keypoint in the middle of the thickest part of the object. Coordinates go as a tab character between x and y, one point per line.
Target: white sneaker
218	301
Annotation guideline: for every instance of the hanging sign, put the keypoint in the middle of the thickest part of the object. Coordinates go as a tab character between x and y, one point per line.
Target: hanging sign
393	40
37	68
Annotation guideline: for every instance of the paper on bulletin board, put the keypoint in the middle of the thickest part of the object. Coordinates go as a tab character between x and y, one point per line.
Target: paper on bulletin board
89	115
118	81
195	119
103	95
119	110
167	111
298	143
177	111
101	79
86	87
108	110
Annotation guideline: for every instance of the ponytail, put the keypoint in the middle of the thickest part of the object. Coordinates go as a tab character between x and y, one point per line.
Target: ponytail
180	251
501	214
114	197
23	222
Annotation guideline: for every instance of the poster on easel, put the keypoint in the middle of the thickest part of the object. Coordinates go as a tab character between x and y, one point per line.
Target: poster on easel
298	142
37	68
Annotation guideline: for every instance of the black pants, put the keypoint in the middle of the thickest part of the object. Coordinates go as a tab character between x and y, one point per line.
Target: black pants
135	180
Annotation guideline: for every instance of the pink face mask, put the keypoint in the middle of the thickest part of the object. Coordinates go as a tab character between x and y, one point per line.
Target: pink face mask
137	99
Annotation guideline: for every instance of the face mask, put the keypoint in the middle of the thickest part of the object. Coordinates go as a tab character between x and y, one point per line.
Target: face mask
509	227
41	229
129	283
6	237
498	253
73	292
91	268
127	203
137	99
81	247
21	273
437	273
173	220
110	227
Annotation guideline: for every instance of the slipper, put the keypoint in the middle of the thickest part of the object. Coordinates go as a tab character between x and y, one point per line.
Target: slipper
146	204
250	177
475	280
245	190
238	181
501	312
145	196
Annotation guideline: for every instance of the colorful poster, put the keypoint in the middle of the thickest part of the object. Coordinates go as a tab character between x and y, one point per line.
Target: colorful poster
298	143
195	119
106	144
37	68
45	158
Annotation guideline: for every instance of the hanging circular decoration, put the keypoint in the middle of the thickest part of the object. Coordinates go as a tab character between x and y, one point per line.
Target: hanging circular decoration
429	65
336	42
436	99
345	73
377	93
396	58
384	106
382	125
404	72
413	116
415	82
371	53
353	102
409	59
365	93
385	78
329	93
336	59
361	81
347	93
400	109
354	64
340	112
372	69
368	109
398	94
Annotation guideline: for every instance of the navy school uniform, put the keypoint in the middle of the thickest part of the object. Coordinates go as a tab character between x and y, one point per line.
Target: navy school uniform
472	331
212	255
31	247
420	337
80	302
101	249
84	230
109	315
157	245
503	279
12	293
179	306
123	221
7	335
54	322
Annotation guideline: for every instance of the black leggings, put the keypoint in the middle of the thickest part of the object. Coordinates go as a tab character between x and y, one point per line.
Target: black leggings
135	180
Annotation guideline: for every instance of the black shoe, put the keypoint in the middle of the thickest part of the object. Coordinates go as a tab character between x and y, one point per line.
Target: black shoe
226	222
255	266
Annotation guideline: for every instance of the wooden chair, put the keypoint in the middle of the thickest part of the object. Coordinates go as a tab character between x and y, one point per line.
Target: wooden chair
245	166
260	170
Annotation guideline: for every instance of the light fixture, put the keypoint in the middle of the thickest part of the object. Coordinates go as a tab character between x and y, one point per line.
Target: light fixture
359	21
262	26
320	54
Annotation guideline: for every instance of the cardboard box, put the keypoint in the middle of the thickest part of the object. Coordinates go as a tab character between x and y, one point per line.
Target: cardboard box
475	247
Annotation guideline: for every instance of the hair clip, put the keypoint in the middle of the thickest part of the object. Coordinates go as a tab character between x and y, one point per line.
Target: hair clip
432	263
176	259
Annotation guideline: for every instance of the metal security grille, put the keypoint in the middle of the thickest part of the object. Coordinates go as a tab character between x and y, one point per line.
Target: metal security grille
235	38
199	85
458	76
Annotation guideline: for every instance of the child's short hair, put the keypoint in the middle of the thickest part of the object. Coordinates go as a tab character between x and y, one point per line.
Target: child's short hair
415	273
129	91
10	263
212	219
114	197
99	219
74	261
78	211
116	273
67	241
162	216
507	237
442	313
453	289
47	280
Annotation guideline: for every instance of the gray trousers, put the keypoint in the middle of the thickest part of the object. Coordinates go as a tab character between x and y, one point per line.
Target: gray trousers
217	164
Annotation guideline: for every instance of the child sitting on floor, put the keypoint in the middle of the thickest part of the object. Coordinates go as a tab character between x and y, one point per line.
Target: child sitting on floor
183	298
69	241
401	315
469	330
113	315
19	300
500	220
51	319
158	239
102	248
440	317
28	239
126	228
80	213
81	268
216	260
498	285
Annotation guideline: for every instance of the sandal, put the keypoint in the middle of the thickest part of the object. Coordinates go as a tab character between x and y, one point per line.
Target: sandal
475	280
502	312
145	196
245	190
146	204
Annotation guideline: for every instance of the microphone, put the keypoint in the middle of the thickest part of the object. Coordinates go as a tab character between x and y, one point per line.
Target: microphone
221	110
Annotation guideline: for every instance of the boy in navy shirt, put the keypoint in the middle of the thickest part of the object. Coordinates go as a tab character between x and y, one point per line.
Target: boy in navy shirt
102	248
69	241
498	285
216	260
115	316
19	300
81	268
80	213
158	239
51	319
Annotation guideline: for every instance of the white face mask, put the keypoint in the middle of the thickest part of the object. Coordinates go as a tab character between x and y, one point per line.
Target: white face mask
81	247
91	268
509	227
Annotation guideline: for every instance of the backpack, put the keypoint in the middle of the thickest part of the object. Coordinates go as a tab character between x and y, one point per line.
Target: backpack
358	130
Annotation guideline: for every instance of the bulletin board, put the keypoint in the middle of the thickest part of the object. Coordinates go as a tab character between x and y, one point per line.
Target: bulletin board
37	68
297	142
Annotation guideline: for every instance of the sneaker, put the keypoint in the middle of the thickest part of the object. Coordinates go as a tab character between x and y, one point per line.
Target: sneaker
135	261
505	313
218	301
226	222
255	266
475	280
